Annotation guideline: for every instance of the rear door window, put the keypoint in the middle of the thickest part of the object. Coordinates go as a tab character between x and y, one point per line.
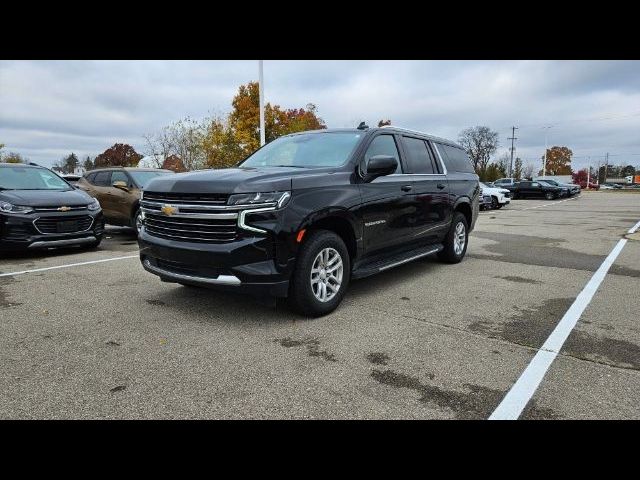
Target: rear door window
119	176
102	179
419	158
455	158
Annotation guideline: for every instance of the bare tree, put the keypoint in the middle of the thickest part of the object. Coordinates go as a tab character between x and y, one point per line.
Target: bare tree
527	170
480	143
183	139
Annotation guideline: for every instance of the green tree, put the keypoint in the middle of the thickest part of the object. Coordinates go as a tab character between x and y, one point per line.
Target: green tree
517	168
88	164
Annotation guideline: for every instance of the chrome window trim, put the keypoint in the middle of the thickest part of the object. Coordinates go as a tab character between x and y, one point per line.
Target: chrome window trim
444	167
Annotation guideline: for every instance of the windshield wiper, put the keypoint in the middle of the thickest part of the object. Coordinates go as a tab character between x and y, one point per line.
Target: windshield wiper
288	166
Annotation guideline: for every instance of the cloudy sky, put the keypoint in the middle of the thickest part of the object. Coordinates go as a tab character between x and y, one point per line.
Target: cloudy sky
51	108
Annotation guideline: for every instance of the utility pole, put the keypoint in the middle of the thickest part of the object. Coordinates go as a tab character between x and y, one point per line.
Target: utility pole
544	165
261	88
512	138
588	171
606	167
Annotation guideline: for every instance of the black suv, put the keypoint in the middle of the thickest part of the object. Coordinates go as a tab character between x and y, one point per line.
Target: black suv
39	209
310	211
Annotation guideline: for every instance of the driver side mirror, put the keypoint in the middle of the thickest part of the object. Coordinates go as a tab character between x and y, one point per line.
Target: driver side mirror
121	185
378	166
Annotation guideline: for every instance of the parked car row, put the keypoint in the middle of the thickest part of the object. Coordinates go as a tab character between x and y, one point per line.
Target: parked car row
492	197
541	188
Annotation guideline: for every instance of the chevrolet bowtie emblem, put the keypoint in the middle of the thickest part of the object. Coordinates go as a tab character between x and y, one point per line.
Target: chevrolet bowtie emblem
168	210
64	209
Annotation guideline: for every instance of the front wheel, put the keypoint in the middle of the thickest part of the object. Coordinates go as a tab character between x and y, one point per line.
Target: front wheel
494	203
322	274
137	221
455	243
549	196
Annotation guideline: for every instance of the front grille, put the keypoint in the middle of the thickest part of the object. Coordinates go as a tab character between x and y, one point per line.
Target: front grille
50	224
193	229
196	217
168	197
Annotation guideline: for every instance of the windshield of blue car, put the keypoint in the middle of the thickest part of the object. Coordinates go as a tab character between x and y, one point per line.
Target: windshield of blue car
310	150
25	178
144	177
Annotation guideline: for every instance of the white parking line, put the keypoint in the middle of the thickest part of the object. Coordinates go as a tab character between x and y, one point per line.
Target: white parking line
548	204
634	228
521	392
10	274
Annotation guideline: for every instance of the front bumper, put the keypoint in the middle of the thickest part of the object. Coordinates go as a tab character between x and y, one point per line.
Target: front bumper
21	232
246	264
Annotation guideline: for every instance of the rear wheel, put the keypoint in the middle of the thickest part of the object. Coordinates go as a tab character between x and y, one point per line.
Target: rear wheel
322	274
549	196
455	243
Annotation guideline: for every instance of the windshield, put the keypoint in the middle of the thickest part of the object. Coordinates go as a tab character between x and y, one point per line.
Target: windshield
311	150
142	178
24	178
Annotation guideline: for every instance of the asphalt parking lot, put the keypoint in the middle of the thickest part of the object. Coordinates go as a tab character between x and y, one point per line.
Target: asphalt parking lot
422	341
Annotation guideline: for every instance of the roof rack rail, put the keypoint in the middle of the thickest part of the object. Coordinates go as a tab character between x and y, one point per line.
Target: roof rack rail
403	129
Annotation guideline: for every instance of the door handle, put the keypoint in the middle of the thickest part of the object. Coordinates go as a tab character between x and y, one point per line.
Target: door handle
440	186
406	188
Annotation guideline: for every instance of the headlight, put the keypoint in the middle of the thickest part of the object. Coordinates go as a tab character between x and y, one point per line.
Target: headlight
6	207
95	205
279	198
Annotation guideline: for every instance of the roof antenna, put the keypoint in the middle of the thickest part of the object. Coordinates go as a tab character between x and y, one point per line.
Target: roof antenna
363	126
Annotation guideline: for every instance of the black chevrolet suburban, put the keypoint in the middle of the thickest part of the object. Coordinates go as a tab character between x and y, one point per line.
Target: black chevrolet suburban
308	212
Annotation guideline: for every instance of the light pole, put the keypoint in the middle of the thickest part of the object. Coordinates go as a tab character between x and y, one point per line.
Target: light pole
261	88
544	165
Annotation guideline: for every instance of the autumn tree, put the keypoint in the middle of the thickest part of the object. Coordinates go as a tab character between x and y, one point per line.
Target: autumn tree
580	176
558	161
517	168
383	123
120	154
13	157
175	163
480	144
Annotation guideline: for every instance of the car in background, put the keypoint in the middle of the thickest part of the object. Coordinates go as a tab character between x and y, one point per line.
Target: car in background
499	197
610	186
535	189
39	209
71	178
118	190
572	188
505	182
484	200
564	190
592	186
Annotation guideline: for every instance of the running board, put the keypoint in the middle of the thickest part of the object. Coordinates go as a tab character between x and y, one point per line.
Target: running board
395	261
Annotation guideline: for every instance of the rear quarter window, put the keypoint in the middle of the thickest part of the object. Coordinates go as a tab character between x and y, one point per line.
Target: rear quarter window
455	159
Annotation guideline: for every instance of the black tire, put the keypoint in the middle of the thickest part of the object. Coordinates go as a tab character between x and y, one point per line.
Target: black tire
448	254
134	220
494	203
549	196
301	295
96	244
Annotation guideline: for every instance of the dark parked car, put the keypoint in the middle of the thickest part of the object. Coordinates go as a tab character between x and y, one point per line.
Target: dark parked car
564	190
39	209
572	188
118	190
535	189
308	212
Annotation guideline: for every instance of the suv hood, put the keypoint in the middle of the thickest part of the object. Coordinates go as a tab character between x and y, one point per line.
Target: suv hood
46	198
235	180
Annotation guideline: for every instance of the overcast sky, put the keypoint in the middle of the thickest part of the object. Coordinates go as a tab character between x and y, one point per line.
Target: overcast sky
51	108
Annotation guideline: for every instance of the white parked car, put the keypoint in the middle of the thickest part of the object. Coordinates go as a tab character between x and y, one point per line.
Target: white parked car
499	196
